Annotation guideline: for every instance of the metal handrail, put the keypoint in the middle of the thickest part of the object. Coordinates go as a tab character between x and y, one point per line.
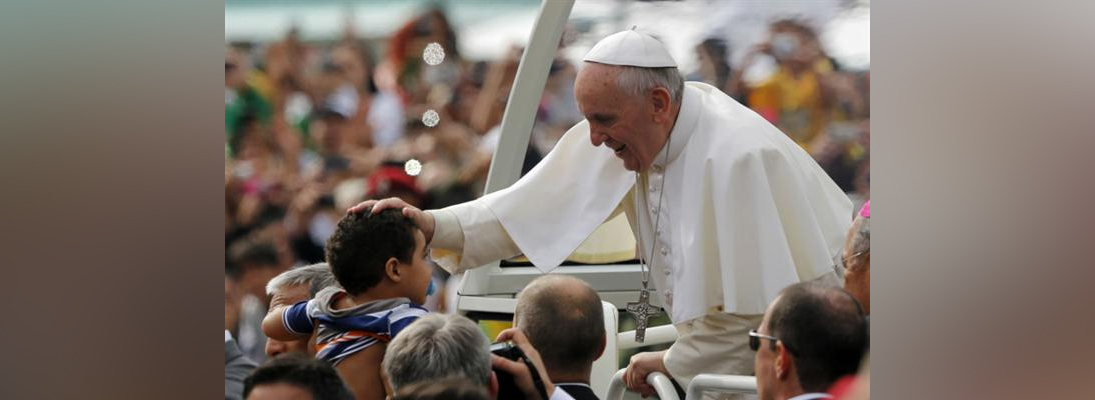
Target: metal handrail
722	383
661	383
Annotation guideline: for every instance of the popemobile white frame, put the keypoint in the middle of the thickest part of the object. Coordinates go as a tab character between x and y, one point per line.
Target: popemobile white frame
491	288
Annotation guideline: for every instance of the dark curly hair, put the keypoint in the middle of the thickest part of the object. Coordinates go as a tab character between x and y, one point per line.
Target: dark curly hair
362	244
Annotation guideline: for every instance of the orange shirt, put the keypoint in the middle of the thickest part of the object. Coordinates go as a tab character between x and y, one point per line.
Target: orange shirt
791	103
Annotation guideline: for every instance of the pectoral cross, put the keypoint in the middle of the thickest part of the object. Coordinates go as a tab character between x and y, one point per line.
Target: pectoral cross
642	310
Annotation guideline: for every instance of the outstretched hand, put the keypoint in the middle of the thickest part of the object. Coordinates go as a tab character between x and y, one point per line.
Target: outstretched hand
424	220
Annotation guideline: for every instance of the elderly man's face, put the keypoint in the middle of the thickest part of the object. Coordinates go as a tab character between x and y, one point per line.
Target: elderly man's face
621	122
288	296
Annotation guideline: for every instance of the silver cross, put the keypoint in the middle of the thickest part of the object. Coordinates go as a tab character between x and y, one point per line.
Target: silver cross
642	310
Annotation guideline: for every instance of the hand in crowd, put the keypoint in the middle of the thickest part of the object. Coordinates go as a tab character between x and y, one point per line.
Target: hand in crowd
424	220
641	365
521	374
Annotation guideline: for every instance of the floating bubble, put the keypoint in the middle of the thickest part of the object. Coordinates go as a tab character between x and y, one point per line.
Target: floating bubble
430	118
412	167
433	54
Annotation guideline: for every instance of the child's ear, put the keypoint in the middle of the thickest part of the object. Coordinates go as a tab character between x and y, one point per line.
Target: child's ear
391	268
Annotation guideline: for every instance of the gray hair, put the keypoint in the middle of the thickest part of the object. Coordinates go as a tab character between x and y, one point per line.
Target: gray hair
438	346
638	81
316	276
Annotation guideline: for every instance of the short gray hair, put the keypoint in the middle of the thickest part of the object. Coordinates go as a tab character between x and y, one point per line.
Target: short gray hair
638	81
316	276
438	346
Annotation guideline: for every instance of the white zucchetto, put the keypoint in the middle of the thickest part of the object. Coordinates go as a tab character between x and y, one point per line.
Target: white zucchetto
631	48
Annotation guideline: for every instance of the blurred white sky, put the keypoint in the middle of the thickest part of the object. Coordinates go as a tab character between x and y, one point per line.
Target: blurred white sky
486	28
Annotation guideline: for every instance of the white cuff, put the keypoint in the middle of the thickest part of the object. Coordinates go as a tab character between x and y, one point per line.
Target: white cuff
448	240
447	233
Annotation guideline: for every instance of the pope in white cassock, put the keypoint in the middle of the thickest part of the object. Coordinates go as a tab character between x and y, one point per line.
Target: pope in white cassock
726	209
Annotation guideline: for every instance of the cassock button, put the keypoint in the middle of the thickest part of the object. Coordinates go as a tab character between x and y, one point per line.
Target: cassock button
667	272
653	210
657	168
664	251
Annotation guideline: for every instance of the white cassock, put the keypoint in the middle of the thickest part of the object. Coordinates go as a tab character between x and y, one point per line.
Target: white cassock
746	212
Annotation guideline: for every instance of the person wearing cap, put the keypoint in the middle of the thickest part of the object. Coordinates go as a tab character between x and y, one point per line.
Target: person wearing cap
726	209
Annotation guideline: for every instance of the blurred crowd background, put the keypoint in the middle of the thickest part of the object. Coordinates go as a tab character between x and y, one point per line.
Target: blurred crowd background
324	109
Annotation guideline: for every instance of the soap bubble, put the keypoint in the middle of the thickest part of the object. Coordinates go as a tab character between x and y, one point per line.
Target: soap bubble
433	54
430	118
412	167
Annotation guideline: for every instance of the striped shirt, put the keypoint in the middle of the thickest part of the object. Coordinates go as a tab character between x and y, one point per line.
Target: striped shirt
343	332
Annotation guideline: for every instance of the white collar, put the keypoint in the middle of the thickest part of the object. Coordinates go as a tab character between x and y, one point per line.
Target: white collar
687	118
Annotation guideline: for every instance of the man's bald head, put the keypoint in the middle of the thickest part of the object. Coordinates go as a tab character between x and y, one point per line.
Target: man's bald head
562	317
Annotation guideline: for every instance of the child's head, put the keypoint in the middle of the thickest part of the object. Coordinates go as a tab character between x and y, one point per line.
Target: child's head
386	248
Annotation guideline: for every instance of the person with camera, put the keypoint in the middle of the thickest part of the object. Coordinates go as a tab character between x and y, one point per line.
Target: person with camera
563	318
439	346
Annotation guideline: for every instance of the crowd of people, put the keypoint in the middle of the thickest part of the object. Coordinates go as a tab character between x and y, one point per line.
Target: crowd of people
349	305
357	332
353	329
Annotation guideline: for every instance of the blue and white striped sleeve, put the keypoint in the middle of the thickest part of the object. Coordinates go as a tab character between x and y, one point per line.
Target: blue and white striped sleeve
296	319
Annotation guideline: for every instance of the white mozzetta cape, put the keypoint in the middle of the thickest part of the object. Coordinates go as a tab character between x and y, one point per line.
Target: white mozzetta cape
750	212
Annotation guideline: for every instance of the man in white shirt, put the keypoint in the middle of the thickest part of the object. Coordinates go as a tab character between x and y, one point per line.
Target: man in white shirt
726	209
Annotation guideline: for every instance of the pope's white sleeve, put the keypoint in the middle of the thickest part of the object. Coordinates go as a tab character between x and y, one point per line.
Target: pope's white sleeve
446	230
452	249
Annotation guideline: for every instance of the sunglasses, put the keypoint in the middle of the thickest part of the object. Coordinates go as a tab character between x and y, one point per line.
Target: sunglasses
754	339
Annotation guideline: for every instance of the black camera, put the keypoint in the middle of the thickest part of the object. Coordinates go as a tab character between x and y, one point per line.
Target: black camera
507	350
507	387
